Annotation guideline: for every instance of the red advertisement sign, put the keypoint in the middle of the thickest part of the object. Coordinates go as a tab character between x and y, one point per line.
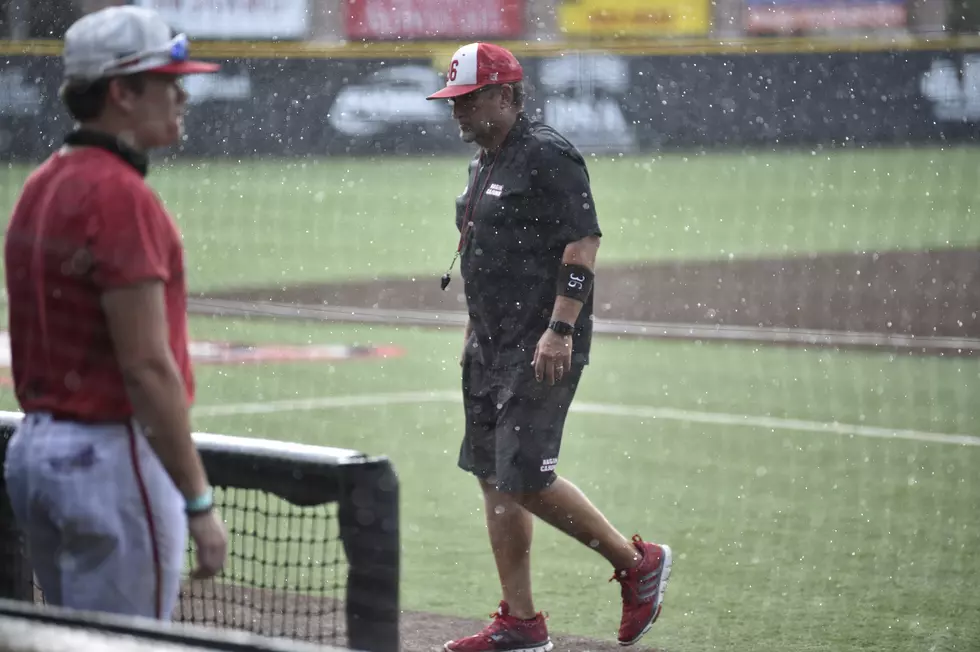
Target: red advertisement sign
814	16
434	19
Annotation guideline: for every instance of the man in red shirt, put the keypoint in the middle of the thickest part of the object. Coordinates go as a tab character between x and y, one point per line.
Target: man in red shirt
102	473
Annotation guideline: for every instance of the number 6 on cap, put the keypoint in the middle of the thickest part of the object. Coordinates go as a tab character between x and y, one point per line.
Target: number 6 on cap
477	65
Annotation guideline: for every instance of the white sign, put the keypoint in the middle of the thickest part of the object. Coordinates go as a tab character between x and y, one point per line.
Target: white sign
218	87
955	97
583	100
227	19
390	96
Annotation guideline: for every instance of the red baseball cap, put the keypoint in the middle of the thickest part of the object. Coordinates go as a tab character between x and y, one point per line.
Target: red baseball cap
477	65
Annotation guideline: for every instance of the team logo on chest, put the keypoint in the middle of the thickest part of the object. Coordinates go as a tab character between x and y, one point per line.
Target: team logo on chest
495	190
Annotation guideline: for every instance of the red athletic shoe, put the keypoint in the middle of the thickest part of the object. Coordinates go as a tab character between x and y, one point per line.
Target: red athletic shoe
506	634
643	589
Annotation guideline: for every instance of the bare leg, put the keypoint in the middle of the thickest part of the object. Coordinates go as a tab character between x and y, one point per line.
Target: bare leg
564	506
510	527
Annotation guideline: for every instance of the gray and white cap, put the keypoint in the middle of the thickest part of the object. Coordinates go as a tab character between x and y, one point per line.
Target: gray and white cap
125	40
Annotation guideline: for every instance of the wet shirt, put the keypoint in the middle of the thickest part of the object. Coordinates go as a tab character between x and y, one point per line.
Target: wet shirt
85	222
522	206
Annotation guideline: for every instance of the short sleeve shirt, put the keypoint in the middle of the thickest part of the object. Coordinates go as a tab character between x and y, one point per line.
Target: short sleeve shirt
85	222
522	206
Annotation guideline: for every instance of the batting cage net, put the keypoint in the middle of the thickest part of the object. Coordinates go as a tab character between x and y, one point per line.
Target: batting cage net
313	551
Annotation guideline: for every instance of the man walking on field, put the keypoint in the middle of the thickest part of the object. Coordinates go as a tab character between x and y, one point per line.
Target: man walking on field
528	242
102	473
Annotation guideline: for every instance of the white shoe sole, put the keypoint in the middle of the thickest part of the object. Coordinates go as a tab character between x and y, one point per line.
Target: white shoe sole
667	561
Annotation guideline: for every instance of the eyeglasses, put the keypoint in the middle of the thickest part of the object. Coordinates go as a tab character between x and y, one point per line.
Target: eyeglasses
469	98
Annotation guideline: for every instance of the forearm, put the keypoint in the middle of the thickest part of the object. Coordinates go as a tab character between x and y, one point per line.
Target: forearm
566	309
579	254
159	401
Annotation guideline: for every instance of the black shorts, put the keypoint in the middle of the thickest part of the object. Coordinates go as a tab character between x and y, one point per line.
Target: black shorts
514	425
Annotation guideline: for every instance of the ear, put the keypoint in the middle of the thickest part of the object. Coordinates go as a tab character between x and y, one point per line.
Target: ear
506	96
121	94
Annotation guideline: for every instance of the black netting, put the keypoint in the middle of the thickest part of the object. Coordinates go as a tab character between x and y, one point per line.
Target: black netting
284	575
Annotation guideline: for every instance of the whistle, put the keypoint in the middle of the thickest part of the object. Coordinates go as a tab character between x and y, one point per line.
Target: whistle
444	281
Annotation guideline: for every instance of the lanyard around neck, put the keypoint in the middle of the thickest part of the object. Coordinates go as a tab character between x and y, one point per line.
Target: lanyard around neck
471	201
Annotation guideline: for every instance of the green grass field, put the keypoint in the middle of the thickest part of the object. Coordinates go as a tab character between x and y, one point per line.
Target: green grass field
785	538
263	223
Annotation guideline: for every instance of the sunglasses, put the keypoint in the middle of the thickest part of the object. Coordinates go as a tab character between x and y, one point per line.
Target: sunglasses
179	48
176	50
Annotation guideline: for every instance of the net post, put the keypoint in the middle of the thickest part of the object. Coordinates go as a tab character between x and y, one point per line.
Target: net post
15	571
368	514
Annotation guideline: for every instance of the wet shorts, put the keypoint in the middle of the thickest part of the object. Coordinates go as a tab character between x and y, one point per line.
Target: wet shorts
514	425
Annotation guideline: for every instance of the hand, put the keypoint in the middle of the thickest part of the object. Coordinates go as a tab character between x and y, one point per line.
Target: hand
211	540
552	357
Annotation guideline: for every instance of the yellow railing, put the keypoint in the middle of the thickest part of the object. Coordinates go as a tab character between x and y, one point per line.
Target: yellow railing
441	49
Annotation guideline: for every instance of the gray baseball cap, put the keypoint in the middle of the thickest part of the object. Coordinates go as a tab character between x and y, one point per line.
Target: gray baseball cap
125	40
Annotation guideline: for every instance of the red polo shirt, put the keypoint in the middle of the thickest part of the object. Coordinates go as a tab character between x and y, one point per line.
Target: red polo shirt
85	222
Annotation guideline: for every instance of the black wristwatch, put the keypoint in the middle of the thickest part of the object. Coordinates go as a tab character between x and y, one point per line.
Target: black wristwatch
561	327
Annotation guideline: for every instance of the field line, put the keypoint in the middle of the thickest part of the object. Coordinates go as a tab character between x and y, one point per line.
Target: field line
324	403
606	409
774	423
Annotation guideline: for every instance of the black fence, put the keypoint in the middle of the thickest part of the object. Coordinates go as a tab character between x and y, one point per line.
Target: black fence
611	102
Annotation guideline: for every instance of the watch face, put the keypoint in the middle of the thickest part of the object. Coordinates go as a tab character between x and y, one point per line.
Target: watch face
562	328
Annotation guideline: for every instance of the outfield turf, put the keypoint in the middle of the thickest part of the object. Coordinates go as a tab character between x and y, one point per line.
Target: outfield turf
257	223
784	539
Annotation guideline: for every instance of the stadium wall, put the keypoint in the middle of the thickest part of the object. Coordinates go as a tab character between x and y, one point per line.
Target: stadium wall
294	100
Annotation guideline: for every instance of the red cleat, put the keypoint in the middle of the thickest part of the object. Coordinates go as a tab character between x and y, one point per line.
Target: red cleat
506	634
643	589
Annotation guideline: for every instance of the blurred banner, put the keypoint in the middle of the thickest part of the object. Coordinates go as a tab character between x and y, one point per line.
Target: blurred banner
601	101
823	16
381	20
236	19
634	18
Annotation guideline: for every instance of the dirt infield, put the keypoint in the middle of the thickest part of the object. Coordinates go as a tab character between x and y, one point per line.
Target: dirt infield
921	294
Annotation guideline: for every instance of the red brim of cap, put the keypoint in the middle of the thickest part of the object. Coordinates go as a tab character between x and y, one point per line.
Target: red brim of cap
187	68
455	91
